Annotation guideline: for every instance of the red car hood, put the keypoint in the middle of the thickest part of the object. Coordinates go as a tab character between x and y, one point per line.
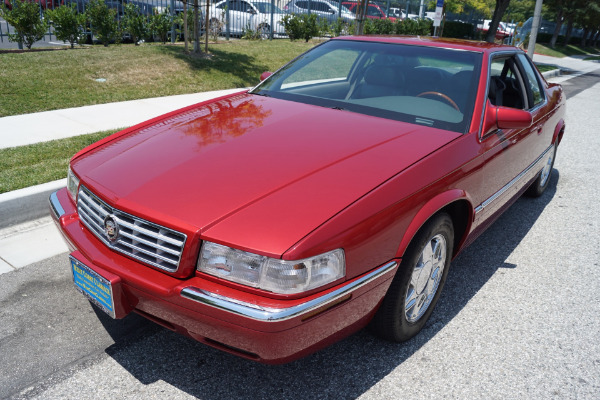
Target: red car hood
253	172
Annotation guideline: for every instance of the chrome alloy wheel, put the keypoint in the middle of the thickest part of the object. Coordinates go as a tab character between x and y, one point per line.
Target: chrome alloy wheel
425	278
547	168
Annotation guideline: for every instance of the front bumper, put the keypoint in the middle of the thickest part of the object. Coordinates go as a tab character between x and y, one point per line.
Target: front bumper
251	326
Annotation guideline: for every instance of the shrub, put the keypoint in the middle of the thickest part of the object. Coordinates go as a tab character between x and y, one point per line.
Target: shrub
160	25
300	26
341	27
414	27
103	21
460	30
253	34
546	37
26	20
68	24
134	23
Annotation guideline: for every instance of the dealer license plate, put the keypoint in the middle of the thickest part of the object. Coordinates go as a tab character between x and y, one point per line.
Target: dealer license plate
93	286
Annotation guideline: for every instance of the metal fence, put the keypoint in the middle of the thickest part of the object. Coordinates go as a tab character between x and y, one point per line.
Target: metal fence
226	17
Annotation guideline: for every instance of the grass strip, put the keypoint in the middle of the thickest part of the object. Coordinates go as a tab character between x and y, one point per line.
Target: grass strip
38	163
565	51
51	80
545	67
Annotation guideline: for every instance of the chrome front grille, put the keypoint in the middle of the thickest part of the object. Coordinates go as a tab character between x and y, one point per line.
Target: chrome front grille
150	243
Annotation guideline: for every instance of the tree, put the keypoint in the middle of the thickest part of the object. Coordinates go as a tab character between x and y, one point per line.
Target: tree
459	6
589	18
68	24
501	6
134	23
103	21
557	7
25	18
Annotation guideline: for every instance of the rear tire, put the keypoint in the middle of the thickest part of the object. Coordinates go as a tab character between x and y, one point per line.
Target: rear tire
540	184
264	31
415	289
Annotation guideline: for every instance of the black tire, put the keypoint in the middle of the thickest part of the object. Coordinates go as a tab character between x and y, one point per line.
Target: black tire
393	321
264	31
540	184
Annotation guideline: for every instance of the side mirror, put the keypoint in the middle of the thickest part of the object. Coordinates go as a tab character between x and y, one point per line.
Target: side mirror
498	117
513	118
265	75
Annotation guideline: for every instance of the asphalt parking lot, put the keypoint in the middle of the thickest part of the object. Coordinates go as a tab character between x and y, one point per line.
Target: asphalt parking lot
519	318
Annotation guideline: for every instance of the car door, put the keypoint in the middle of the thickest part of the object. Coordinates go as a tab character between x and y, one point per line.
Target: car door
511	155
324	10
237	14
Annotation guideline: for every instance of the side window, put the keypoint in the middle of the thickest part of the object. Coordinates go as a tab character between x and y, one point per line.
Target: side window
302	4
505	86
536	93
332	66
322	7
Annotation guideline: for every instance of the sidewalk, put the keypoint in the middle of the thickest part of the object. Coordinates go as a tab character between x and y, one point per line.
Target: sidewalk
20	130
570	67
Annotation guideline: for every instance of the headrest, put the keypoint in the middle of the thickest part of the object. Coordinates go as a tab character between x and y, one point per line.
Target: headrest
384	76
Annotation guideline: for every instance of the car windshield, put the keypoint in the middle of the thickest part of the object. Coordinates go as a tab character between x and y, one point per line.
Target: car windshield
265	8
423	85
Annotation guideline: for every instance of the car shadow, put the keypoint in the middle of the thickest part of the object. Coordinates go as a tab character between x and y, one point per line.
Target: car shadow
346	369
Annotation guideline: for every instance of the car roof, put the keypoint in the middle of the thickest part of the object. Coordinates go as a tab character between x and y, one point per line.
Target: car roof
458	44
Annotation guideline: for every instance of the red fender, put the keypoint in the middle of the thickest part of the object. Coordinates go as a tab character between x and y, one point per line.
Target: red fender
428	210
558	132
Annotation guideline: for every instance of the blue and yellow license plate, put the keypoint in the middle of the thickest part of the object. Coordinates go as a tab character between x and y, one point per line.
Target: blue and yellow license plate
93	286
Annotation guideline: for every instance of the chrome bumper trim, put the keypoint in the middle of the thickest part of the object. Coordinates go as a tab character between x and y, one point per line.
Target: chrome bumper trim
267	314
55	205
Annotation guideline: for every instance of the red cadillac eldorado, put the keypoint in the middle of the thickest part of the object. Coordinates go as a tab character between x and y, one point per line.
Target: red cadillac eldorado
275	221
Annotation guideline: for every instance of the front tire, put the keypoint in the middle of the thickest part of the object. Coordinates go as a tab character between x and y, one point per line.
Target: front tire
415	290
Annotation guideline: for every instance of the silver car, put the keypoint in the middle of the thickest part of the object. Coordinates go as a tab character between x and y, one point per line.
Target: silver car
324	9
246	15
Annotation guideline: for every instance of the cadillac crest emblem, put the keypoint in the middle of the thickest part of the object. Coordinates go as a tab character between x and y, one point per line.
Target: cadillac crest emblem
111	228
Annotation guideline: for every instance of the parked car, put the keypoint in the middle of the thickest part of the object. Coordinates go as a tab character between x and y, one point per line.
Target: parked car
324	9
502	32
118	5
373	11
245	15
44	4
396	12
272	222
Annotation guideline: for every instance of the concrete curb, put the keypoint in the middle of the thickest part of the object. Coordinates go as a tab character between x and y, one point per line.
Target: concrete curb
551	74
27	204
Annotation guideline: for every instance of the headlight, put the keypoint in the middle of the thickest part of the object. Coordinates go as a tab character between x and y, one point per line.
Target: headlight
272	274
72	184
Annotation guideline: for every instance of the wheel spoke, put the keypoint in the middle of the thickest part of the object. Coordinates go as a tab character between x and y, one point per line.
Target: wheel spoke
411	298
425	279
428	251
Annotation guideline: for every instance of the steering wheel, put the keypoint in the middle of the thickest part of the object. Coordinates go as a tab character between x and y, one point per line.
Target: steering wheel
443	96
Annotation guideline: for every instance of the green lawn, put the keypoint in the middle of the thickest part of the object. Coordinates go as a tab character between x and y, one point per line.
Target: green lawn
49	80
565	51
545	68
30	165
